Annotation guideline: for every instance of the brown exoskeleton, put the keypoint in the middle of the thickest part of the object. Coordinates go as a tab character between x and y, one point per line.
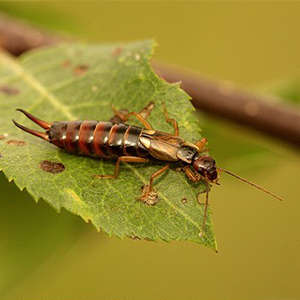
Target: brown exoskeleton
129	143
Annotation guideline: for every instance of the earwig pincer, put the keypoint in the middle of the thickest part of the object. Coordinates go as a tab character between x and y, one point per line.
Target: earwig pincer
129	143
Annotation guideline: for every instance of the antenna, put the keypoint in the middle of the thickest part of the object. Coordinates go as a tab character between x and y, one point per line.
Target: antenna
250	183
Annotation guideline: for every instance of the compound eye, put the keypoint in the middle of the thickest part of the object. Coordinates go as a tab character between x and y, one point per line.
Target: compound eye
213	175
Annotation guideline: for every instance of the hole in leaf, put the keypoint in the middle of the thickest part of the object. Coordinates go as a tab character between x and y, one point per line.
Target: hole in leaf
51	167
3	136
184	200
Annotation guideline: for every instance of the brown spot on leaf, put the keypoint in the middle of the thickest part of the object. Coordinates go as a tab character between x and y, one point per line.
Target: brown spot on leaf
66	64
80	70
3	136
9	90
148	197
117	51
1	155
16	143
51	166
184	200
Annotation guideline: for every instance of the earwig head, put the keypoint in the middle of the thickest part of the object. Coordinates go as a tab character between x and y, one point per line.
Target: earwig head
206	167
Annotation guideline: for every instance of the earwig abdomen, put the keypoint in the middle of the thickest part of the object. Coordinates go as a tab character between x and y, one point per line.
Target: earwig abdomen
101	139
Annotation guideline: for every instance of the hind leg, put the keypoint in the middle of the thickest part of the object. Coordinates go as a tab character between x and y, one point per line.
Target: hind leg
123	115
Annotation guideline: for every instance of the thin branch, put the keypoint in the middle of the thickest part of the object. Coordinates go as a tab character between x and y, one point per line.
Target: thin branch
222	98
18	36
217	97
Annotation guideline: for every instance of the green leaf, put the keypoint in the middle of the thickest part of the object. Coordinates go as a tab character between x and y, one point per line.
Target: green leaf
75	81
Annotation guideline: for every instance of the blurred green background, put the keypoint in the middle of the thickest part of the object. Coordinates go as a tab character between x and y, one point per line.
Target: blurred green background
44	255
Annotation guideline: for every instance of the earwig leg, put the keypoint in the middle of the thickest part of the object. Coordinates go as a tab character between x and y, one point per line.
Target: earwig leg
201	145
191	175
205	210
146	111
156	174
171	120
149	196
140	118
118	115
117	166
123	115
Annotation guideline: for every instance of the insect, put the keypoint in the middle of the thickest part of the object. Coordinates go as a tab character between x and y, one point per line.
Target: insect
128	143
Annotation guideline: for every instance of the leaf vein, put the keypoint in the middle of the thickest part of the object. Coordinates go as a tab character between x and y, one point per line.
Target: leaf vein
35	84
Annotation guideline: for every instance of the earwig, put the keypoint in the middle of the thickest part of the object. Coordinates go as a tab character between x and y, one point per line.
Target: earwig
129	143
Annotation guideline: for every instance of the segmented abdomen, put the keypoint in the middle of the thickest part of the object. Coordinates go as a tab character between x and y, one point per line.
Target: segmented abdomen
102	139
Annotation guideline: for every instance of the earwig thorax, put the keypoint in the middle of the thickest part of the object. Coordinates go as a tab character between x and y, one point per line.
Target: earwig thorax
187	153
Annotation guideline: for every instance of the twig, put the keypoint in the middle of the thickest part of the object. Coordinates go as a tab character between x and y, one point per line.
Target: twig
217	97
223	98
18	37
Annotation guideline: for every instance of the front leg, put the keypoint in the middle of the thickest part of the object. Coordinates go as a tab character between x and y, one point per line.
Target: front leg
194	176
149	195
201	145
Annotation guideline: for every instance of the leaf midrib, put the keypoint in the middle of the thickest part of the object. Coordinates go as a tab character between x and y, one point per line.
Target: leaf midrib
35	84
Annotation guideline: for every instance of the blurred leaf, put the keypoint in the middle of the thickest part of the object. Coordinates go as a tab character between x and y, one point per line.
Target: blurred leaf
75	81
287	89
44	17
